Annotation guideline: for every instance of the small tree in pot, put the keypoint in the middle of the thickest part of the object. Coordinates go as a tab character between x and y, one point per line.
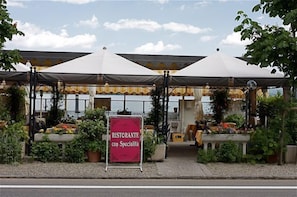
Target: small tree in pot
91	129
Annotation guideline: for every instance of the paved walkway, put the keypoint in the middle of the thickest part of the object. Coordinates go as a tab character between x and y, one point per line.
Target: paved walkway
180	163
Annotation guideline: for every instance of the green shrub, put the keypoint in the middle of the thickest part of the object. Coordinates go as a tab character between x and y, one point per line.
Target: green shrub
263	143
11	137
229	153
149	146
10	148
74	151
206	156
46	151
236	118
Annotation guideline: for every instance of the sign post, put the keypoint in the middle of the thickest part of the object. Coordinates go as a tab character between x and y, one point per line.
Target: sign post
124	141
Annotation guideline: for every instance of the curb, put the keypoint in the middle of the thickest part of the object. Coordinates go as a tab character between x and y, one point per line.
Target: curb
157	177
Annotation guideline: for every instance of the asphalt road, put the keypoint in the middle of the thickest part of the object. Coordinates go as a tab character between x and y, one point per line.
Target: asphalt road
146	187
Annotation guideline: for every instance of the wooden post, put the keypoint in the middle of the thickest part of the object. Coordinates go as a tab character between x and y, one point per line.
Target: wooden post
253	107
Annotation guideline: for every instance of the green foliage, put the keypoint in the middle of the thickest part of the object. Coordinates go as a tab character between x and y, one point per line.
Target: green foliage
284	9
16	102
236	118
95	146
46	151
4	112
270	107
229	152
263	143
96	114
74	151
91	129
7	30
206	156
155	115
273	108
149	146
291	127
220	103
11	137
271	45
55	114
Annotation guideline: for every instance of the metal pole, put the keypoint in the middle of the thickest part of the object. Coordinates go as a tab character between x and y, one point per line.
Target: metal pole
167	99
34	100
30	113
41	95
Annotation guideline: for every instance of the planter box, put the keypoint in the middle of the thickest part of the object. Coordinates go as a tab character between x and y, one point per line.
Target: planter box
57	138
291	154
160	153
225	137
221	138
54	137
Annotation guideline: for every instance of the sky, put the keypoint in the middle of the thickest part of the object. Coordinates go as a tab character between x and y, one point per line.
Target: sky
164	27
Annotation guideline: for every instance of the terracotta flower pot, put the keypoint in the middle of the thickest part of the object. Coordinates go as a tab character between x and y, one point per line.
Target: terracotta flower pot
94	156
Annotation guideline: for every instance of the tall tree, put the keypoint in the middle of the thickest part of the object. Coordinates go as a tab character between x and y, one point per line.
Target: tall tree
272	46
7	30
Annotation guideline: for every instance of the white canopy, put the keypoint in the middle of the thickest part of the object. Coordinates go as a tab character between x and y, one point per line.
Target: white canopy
101	67
20	73
219	69
19	67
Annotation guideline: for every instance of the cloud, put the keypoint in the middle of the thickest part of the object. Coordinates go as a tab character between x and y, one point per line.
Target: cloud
234	39
156	48
75	1
207	38
202	3
15	3
93	22
37	39
182	7
152	26
147	25
179	27
163	1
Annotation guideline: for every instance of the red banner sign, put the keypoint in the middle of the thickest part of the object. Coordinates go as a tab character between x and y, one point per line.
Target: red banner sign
125	139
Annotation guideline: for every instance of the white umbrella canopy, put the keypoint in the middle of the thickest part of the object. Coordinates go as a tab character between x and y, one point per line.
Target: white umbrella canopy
19	67
219	69
101	67
20	73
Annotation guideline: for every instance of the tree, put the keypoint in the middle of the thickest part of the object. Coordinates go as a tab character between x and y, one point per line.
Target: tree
7	30
272	46
155	115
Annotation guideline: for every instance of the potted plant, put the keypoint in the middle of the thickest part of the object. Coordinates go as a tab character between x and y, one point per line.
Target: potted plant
155	141
238	119
220	104
91	129
94	149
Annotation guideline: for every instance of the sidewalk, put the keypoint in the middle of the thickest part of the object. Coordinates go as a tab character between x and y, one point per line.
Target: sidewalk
181	163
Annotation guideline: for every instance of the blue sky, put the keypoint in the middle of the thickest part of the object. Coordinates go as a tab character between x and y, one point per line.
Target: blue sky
167	27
